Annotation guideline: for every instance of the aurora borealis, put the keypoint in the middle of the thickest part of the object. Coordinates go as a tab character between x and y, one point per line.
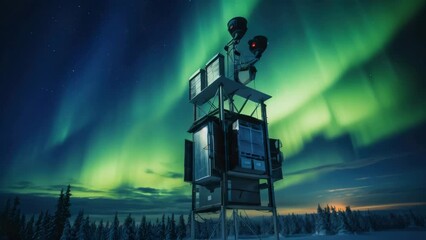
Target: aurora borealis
94	94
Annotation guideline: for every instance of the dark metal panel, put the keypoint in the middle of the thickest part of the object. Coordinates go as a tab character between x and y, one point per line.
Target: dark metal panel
208	153
240	191
209	196
189	160
243	191
248	146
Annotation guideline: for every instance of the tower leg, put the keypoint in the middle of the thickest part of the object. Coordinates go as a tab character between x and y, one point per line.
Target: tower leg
193	212
236	228
274	214
223	222
192	225
224	179
271	192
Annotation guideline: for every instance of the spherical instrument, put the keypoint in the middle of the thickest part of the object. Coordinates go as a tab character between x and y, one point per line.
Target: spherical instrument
258	45
237	27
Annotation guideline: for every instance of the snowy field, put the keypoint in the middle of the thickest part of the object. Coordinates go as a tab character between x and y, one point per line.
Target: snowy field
385	235
388	235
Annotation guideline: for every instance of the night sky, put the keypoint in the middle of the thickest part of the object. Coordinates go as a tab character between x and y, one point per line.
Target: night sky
95	94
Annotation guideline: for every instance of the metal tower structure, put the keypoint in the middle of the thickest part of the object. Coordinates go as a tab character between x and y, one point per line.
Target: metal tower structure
231	158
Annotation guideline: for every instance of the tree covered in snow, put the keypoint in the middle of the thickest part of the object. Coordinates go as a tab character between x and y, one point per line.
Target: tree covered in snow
62	213
47	226
114	231
171	229
327	220
129	229
28	232
321	222
181	228
100	232
78	221
66	233
10	222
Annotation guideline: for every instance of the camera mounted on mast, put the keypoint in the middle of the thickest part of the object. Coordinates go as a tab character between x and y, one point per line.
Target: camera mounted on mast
237	27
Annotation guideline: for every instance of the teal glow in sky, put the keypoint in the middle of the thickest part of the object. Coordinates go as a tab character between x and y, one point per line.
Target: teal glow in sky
95	95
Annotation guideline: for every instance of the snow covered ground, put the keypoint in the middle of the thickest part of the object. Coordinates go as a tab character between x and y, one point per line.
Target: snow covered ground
385	235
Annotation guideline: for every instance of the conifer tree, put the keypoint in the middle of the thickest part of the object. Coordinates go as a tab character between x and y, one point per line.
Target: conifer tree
163	228
100	231
67	203
283	226
66	233
172	228
92	230
294	227
413	220
21	226
302	224
350	219
47	226
343	226
114	233
80	233
62	213
371	224
77	224
4	217
150	229
38	226
320	228
84	230
143	229
334	221
13	220
106	230
128	229
29	228
59	221
327	219
181	228
363	222
308	224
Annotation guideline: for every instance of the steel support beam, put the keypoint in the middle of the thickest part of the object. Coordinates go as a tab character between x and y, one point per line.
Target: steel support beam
271	192
224	180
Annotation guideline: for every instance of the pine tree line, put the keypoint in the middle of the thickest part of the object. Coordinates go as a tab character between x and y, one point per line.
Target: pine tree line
13	224
57	226
83	228
329	221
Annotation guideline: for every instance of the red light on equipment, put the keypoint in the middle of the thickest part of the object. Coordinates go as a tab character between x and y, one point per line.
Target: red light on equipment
258	45
237	27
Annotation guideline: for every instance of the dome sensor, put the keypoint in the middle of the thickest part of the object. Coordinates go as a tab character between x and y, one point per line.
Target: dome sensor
258	45
237	27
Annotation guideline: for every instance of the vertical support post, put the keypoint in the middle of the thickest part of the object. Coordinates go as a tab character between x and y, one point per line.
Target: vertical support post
224	178
193	187
221	107
236	228
270	181
192	224
195	112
